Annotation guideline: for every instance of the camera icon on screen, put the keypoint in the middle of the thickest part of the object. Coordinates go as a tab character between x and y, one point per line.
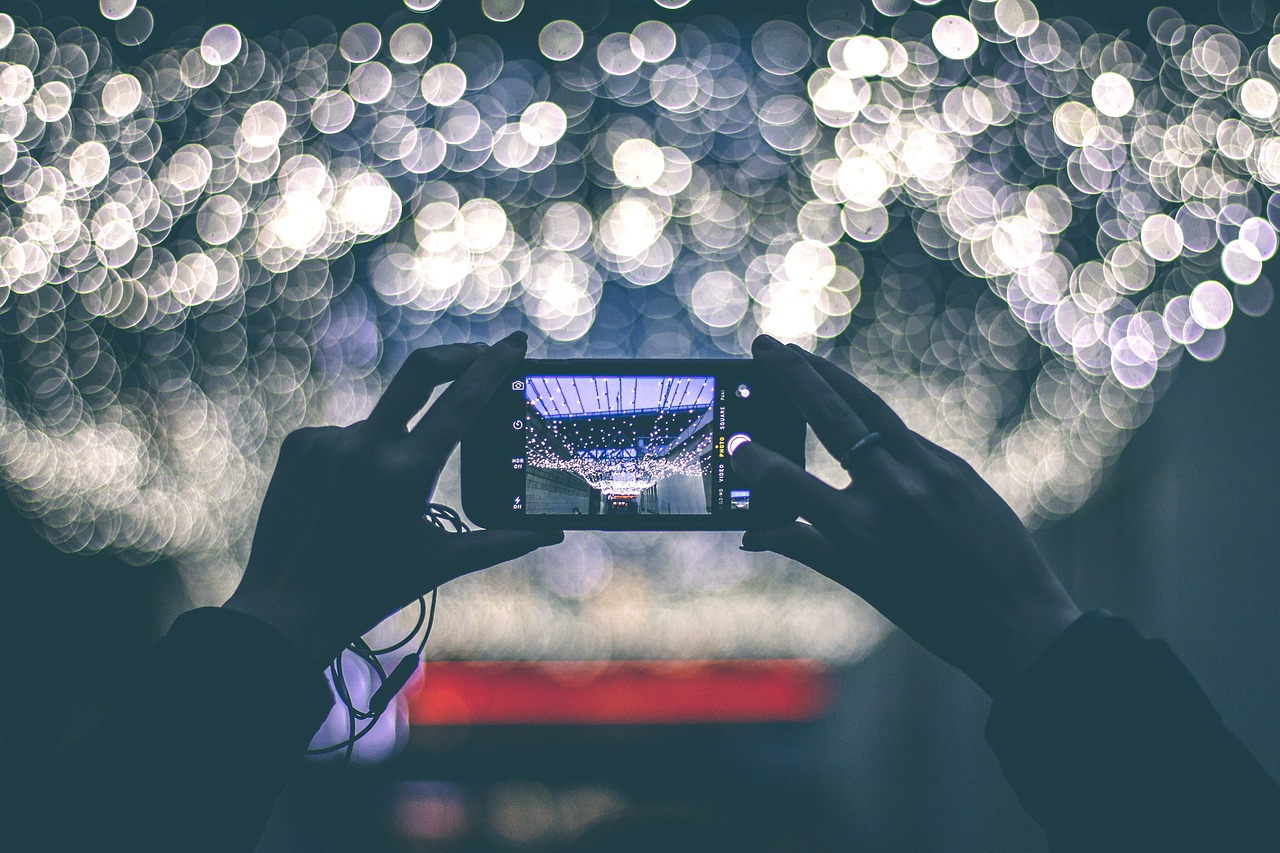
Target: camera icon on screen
518	385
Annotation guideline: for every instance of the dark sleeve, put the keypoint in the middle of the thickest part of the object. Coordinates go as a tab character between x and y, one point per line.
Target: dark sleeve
195	751
1112	746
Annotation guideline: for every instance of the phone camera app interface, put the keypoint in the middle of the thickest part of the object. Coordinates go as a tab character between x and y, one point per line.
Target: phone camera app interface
620	445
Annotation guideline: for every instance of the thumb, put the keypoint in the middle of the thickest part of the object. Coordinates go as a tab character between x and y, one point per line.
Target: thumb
480	549
800	542
805	493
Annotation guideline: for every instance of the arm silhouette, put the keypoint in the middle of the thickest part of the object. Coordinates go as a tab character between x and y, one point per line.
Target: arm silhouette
1106	738
213	720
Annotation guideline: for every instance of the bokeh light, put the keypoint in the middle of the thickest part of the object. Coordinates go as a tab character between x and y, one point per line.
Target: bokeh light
1012	227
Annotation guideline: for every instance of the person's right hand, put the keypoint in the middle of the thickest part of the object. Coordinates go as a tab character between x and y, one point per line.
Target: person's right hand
918	534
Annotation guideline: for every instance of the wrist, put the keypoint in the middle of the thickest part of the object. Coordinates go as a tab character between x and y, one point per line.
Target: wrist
299	631
1020	643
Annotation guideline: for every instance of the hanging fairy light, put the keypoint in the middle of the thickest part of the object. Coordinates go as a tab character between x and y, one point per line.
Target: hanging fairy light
620	433
1012	227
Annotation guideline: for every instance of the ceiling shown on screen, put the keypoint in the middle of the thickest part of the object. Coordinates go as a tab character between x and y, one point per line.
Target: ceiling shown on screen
620	433
570	396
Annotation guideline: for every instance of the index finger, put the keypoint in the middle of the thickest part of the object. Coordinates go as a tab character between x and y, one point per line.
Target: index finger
444	424
874	411
835	423
417	378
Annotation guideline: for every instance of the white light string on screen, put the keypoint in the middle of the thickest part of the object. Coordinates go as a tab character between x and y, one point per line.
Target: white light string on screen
1014	228
606	441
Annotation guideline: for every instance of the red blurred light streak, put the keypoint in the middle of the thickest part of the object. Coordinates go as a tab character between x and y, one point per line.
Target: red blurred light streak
619	692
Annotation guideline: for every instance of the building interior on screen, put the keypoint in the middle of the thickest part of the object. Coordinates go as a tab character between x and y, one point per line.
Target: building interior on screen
619	445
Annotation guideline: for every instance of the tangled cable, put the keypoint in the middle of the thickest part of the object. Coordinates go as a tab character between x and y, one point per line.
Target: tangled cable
389	684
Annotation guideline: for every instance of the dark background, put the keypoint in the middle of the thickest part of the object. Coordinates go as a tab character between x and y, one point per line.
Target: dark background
1182	539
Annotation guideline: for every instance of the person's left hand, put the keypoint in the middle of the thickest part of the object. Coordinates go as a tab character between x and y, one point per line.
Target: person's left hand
341	542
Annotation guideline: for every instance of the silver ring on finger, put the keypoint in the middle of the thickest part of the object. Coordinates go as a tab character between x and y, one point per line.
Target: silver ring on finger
848	459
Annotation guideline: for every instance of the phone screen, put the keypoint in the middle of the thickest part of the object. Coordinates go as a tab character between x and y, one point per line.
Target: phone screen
624	445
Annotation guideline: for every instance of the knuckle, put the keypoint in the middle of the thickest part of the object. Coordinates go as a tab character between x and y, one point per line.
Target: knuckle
297	441
955	473
954	469
880	409
833	408
917	492
420	360
291	442
909	492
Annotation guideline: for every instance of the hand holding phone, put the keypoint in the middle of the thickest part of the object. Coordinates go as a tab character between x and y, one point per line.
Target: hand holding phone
615	444
917	533
341	542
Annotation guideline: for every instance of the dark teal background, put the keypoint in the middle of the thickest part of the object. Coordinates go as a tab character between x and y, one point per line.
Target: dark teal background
1182	539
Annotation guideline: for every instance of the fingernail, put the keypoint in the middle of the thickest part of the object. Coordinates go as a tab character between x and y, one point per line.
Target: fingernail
515	341
482	345
766	343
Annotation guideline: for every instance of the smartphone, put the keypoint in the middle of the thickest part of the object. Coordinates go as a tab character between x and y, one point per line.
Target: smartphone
627	444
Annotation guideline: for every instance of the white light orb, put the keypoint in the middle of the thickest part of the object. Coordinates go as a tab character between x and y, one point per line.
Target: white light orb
638	163
1258	98
1162	237
1211	304
117	10
560	40
1112	94
955	37
221	45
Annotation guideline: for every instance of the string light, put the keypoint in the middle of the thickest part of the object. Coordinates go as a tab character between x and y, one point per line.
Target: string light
621	434
1012	227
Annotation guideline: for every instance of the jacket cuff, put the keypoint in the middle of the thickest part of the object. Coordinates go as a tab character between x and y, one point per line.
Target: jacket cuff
1101	703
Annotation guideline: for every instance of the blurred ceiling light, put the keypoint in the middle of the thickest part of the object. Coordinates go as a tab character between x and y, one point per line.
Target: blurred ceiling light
1011	227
